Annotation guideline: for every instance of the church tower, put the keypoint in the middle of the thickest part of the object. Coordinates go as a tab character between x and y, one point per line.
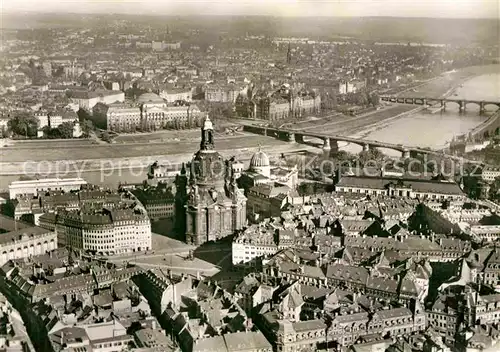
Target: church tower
207	136
289	54
213	207
181	182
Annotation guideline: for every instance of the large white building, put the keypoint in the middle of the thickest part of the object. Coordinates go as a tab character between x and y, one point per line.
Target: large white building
159	46
123	117
485	233
35	186
151	111
169	116
105	231
400	188
54	119
253	243
88	99
174	94
25	243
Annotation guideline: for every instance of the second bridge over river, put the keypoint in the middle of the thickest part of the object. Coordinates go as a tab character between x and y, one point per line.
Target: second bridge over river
462	103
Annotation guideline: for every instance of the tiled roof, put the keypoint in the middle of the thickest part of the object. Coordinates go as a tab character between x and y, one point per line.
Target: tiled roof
382	284
347	272
210	344
246	341
356	225
393	313
309	325
19	234
351	318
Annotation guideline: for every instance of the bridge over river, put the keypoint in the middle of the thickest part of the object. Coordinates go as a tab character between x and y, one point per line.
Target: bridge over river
490	127
462	103
330	141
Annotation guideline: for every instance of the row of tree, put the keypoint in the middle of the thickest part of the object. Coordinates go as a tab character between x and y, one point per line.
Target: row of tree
331	100
97	117
63	131
361	98
23	124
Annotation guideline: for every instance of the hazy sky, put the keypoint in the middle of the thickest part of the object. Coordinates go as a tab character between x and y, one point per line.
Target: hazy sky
402	8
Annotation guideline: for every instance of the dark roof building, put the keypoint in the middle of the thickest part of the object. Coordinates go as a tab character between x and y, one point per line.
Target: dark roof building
398	187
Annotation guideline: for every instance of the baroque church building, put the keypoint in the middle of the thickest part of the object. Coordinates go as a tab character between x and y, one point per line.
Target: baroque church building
209	204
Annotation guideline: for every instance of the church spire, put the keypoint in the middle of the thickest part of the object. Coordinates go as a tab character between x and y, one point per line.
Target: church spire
207	135
192	172
289	54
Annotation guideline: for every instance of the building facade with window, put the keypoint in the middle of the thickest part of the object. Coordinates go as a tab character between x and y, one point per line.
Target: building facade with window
123	117
400	188
103	231
26	243
152	112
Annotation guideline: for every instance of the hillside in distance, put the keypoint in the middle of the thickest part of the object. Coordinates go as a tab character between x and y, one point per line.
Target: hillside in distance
428	30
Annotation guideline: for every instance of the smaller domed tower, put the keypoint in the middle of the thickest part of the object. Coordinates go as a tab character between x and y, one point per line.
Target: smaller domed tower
260	164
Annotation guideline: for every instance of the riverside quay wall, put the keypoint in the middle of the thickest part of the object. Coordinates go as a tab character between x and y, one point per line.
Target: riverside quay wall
79	167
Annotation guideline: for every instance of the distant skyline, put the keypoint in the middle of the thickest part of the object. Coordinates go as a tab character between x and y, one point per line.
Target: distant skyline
287	8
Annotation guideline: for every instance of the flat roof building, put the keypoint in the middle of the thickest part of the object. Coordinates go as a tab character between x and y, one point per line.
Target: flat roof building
400	187
105	231
35	186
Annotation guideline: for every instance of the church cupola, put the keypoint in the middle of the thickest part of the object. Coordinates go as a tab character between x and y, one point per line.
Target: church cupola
207	135
260	164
